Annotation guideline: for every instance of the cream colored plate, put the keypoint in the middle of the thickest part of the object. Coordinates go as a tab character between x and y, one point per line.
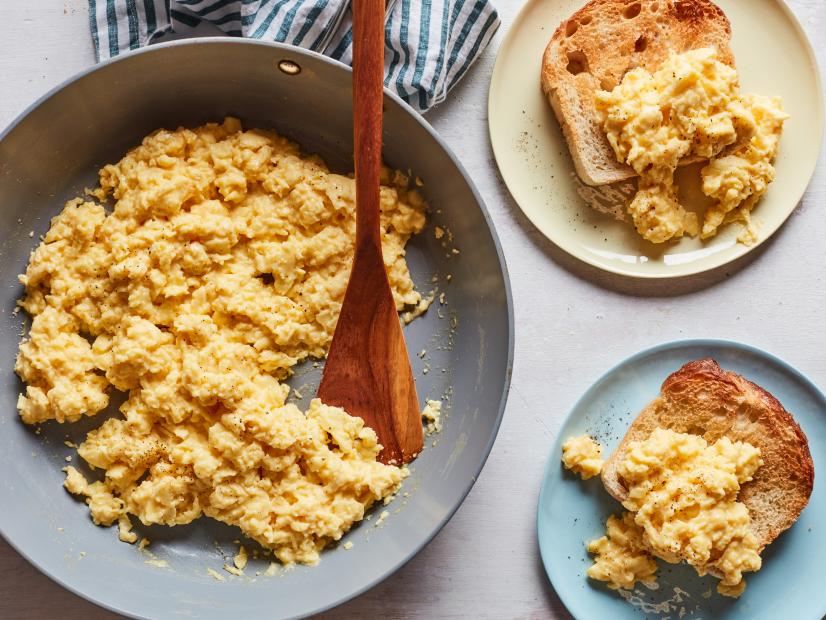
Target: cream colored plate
773	57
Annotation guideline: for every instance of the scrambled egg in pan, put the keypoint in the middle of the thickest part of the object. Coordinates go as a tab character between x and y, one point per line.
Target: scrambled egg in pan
691	107
222	264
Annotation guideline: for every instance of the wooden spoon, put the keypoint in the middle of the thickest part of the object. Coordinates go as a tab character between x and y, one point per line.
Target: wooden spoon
368	370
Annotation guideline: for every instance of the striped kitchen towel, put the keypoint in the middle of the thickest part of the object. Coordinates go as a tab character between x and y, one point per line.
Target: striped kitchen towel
430	44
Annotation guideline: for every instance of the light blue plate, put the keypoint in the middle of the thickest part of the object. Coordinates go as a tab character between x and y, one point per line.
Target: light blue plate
571	512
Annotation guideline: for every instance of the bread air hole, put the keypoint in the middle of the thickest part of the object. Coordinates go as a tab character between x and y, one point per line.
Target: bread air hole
632	10
640	44
585	20
577	63
571	27
655	6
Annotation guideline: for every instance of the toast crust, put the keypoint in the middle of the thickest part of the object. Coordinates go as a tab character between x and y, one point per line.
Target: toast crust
595	47
703	399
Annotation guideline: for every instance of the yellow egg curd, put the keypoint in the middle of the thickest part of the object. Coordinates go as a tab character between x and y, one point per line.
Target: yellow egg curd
221	263
682	497
583	456
691	107
621	557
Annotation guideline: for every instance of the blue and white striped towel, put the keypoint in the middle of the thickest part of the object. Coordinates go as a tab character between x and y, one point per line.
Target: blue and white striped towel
430	44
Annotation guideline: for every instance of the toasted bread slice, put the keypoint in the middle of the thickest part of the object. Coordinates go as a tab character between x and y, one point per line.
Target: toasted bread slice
598	45
703	399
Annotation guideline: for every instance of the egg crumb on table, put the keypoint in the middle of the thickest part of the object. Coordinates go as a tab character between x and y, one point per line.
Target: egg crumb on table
583	456
691	107
682	503
222	263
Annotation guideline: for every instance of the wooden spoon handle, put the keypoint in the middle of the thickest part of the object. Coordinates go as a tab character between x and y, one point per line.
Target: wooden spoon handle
368	83
368	370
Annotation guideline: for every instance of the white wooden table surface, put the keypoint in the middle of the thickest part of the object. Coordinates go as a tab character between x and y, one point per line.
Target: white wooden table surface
572	323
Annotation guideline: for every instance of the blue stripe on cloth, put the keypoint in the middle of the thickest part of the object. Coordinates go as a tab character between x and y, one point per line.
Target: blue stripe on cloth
481	37
440	61
161	13
460	41
421	54
248	11
229	17
388	36
132	20
265	25
93	25
338	52
288	21
202	6
112	29
149	11
185	18
429	46
256	15
323	38
403	35
309	21
457	8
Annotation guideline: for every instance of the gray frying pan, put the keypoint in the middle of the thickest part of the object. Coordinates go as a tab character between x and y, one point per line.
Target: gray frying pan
54	150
